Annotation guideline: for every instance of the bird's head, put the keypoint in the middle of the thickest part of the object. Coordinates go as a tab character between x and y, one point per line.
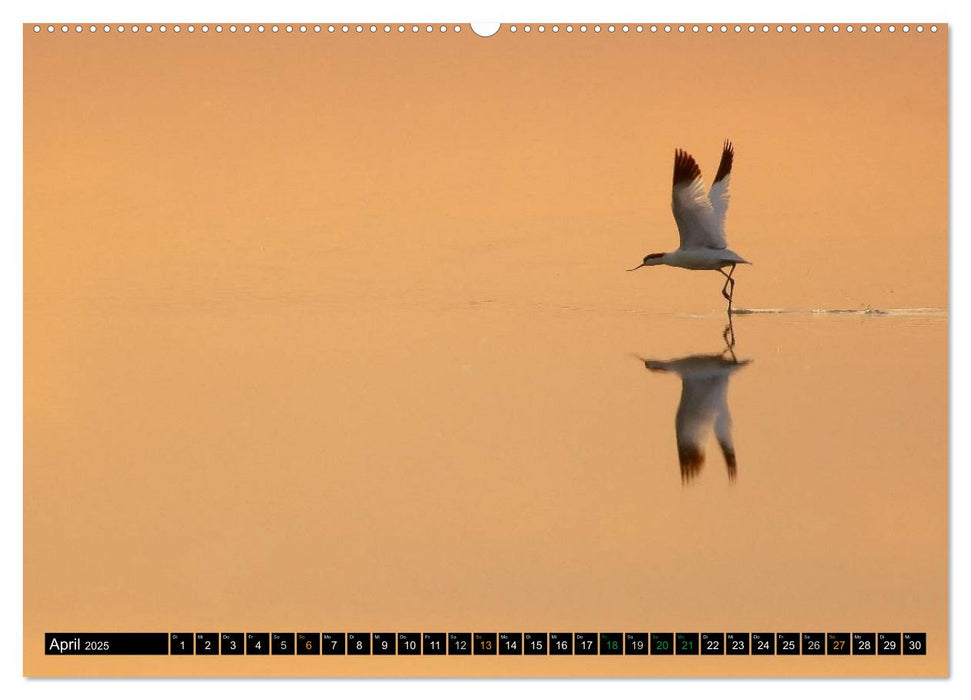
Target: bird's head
656	366
649	260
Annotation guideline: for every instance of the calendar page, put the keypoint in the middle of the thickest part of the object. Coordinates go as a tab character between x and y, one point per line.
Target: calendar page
485	350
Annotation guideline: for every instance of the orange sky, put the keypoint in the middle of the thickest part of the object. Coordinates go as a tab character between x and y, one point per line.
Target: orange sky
544	160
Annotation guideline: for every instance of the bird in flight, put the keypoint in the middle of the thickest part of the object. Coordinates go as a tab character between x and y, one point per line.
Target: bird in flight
701	221
704	403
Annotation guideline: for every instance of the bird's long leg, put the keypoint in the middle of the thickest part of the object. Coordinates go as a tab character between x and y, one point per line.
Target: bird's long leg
730	287
729	337
725	288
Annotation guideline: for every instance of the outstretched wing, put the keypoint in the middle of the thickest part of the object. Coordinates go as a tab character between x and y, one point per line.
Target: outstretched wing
719	193
692	209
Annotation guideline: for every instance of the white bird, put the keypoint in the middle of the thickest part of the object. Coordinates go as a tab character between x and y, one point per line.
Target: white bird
701	221
704	403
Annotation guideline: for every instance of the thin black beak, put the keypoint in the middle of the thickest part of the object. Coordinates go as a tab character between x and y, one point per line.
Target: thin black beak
636	268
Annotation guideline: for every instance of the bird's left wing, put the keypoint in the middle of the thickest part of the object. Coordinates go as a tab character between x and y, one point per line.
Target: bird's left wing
692	422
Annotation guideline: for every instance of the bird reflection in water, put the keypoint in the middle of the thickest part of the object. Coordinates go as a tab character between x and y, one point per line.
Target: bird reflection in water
704	404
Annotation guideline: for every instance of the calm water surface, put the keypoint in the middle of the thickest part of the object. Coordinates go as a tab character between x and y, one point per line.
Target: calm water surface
482	466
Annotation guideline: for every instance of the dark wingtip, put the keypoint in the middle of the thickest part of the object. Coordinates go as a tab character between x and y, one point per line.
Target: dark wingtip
685	168
732	465
691	459
728	157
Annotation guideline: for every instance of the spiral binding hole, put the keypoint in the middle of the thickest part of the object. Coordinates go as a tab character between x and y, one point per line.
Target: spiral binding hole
512	29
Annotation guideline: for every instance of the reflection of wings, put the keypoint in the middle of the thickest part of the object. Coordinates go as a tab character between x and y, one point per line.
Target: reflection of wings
703	396
723	431
703	405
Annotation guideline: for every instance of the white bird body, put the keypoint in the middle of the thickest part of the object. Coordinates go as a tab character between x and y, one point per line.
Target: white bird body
700	216
699	258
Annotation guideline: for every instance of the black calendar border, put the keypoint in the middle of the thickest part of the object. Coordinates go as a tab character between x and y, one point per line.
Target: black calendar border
485	644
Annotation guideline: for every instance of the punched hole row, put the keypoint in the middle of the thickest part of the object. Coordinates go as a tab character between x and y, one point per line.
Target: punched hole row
513	28
249	28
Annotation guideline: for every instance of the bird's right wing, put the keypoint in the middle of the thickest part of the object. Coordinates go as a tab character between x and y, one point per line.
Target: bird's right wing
723	432
691	206
719	193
